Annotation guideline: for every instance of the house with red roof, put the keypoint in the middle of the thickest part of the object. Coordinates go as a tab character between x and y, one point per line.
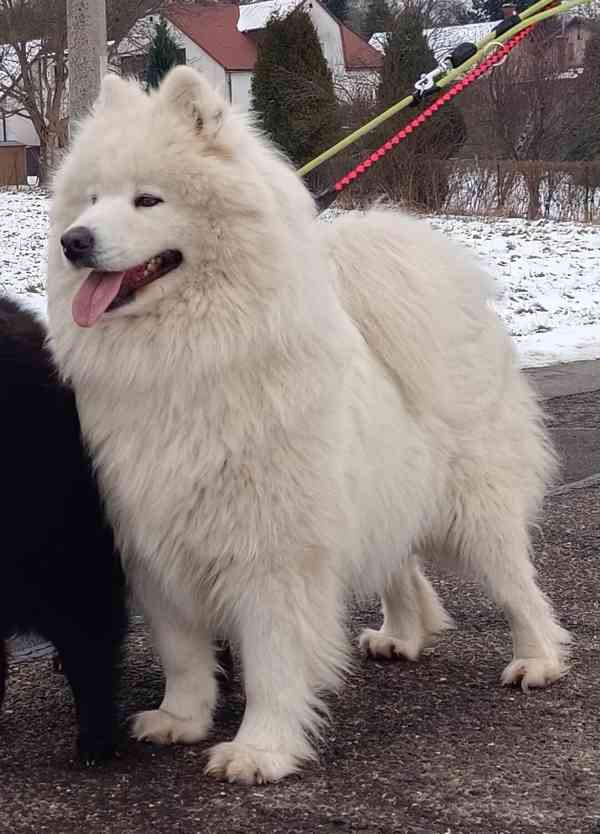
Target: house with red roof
222	40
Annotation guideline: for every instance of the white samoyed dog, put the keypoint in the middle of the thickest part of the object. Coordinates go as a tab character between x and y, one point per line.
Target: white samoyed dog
283	411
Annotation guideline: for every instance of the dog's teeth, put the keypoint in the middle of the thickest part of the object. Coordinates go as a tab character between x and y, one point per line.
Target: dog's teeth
154	264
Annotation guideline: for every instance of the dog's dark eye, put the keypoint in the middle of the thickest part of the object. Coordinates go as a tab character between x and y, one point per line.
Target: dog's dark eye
147	201
94	199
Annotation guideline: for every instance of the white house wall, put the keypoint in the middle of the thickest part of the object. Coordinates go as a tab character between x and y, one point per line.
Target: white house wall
19	129
241	92
330	36
197	57
347	86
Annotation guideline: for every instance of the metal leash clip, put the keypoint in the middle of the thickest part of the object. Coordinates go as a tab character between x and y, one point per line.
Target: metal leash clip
426	83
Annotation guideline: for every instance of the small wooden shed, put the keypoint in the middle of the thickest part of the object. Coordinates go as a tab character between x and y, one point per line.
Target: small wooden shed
13	163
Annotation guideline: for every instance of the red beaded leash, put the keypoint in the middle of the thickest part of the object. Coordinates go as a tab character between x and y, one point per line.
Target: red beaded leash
394	140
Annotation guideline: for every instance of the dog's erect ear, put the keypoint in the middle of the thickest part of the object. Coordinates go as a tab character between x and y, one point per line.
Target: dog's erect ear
117	92
189	93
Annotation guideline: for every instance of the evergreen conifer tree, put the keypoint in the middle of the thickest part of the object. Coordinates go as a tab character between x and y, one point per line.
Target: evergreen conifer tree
292	88
377	19
414	171
162	56
338	8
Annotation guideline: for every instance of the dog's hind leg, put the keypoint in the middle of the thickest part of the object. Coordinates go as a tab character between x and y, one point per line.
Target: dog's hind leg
412	615
188	660
490	542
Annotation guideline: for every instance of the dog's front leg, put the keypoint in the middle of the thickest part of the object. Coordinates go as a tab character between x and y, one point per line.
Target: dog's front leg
188	660
293	648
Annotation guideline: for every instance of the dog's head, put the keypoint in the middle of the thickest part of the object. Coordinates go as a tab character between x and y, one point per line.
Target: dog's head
163	192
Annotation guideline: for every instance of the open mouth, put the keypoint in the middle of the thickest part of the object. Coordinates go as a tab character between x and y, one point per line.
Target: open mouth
102	292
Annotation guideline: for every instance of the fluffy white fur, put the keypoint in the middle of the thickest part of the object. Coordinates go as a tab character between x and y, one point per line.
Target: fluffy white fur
297	411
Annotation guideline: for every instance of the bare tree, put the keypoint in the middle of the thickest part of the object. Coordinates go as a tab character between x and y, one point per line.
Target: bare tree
33	70
121	16
34	63
529	109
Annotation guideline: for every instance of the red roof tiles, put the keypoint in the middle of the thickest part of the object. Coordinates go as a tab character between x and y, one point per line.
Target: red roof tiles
358	54
214	29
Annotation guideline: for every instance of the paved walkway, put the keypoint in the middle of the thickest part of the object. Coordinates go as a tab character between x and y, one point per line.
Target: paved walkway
566	378
435	747
570	392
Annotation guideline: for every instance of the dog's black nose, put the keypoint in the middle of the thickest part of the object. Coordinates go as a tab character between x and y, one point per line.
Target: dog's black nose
78	245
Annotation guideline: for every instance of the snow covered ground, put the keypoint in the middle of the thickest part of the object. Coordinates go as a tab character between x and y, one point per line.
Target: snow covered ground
548	279
548	273
23	241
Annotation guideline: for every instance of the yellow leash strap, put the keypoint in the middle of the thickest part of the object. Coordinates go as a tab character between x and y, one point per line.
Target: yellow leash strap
529	17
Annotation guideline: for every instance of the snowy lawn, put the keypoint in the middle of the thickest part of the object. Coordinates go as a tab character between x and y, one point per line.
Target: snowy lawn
548	279
547	273
23	241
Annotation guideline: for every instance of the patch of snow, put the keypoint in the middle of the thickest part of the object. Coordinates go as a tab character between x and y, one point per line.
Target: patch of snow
378	40
23	242
255	15
140	36
10	65
444	39
573	72
547	272
548	276
548	279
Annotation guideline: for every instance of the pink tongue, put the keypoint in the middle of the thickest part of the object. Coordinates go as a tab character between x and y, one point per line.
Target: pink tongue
95	295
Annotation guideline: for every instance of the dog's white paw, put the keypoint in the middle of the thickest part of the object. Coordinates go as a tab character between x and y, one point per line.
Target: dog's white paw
533	672
161	727
378	644
247	765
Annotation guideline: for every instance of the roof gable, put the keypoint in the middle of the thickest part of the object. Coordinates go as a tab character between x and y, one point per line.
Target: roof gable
255	16
214	29
358	54
220	31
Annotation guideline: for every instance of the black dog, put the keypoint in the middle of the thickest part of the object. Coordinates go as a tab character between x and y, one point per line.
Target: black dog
60	574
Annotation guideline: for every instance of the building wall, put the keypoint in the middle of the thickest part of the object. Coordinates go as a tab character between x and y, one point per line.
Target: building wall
240	87
577	36
236	86
13	165
330	36
197	57
19	129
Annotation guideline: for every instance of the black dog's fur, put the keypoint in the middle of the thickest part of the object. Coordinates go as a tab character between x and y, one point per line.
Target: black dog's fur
60	574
